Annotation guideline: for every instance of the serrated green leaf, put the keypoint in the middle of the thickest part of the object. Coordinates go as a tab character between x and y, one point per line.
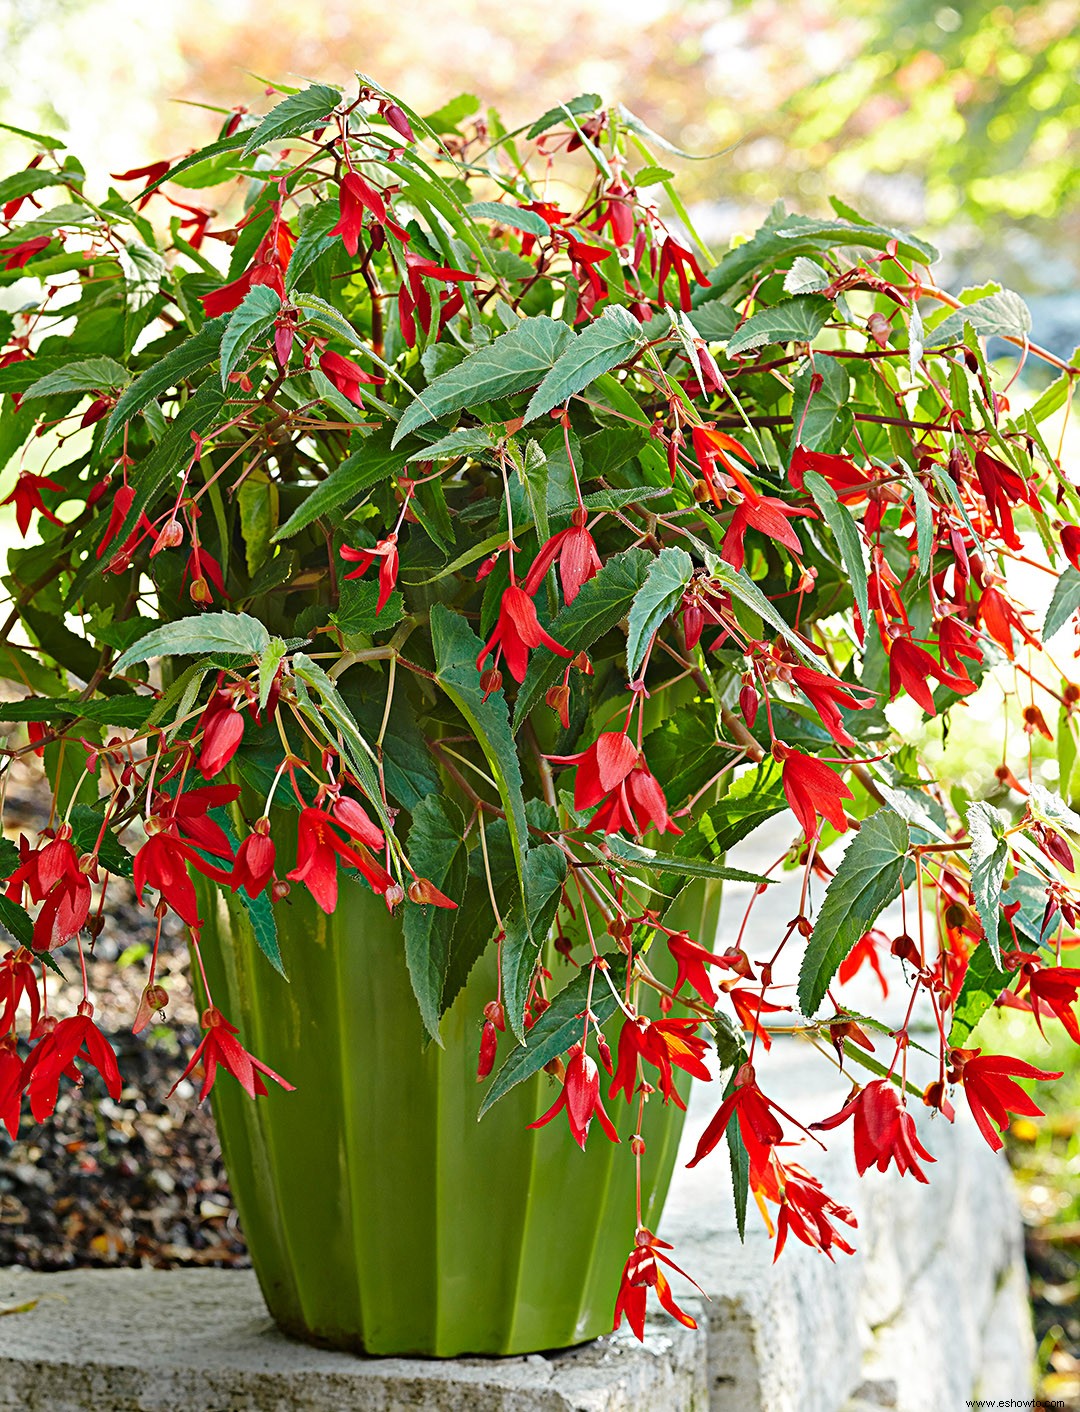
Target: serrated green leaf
806	276
983	983
84	375
613	338
527	927
753	798
181	362
508	216
25	183
820	416
16	921
558	1027
456	649
740	1164
654	602
800	319
257	499
988	860
867	879
652	175
357	610
842	523
299	113
437	852
599	605
269	662
744	588
314	239
678	864
714	321
204	633
1063	604
516	360
365	468
253	317
583	103
129	711
1004	314
85	827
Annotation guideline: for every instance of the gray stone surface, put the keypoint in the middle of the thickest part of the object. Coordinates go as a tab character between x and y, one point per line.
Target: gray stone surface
201	1341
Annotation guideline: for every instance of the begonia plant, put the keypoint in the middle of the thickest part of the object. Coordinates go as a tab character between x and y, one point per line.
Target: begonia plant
424	502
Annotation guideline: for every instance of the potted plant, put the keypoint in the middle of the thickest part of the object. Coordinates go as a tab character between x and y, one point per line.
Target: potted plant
431	566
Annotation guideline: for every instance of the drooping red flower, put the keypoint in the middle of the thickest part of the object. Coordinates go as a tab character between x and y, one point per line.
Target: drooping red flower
910	667
827	695
613	773
20	255
865	953
580	1097
150	174
884	1130
990	1089
692	959
675	256
841	473
54	876
219	1046
812	789
356	196
354	819
18	982
1003	489
161	863
807	1211
386	552
268	266
665	1043
55	1054
414	297
1054	990
318	849
122	502
26	497
11	1084
517	632
1070	543
189	811
348	377
759	1129
254	865
222	724
1001	619
766	514
641	1273
750	1005
575	551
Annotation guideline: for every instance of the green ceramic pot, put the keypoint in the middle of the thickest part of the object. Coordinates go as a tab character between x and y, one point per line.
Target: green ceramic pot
380	1215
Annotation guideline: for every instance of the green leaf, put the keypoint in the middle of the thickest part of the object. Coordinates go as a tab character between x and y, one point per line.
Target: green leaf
654	602
451	115
740	1164
756	796
204	633
599	605
613	338
299	113
679	865
84	375
1004	314
258	501
924	523
559	1027
143	269
821	418
801	318
868	878
85	827
744	588
652	175
1053	399
1064	603
16	920
714	321
983	983
196	159
252	318
583	103
129	711
517	359
527	927
10	857
357	608
988	860
271	659
508	216
806	276
26	182
336	714
437	852
314	239
840	520
186	358
372	463
73	652
456	649
476	924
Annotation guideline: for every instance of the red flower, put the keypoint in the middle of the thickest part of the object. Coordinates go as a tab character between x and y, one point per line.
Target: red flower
812	789
161	863
414	298
665	1043
827	695
884	1130
808	1212
348	376
1070	542
691	959
641	1273
355	821
753	510
580	1096
386	551
1002	488
517	632
26	497
189	811
865	952
122	503
999	617
749	1007
674	256
578	561
254	865
1053	990
354	198
222	731
910	666
18	981
759	1130
268	267
990	1090
11	1084
613	773
20	255
219	1045
55	1054
318	849
53	876
844	477
150	174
